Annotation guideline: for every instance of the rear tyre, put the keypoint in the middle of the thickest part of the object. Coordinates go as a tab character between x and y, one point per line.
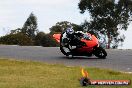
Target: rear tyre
100	52
61	47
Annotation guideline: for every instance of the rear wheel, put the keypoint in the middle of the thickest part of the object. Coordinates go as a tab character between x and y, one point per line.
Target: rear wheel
100	52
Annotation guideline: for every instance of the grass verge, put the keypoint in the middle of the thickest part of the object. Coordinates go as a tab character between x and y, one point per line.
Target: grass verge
29	74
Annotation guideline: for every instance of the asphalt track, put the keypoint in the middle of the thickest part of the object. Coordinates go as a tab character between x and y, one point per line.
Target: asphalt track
119	60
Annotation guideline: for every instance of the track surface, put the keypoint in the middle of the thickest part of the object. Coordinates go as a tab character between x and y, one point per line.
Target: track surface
120	60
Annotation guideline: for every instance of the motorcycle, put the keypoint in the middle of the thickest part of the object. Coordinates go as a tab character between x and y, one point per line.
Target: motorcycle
89	46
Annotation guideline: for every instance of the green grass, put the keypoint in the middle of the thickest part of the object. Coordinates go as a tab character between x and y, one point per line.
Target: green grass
29	74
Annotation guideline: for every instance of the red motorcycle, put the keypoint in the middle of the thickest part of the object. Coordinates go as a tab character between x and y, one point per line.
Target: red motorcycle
89	46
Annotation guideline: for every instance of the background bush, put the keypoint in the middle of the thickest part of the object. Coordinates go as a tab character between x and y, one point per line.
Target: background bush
48	41
16	39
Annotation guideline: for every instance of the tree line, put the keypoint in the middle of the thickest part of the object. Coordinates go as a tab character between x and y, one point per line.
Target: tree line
29	35
107	17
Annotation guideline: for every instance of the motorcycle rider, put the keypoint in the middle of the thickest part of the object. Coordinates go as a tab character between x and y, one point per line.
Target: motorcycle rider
71	38
68	33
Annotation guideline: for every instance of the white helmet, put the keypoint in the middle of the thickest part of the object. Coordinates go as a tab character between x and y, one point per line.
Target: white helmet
69	31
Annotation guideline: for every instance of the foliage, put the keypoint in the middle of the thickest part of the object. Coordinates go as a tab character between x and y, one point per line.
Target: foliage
60	26
29	35
108	17
18	30
48	41
45	40
38	38
30	26
16	39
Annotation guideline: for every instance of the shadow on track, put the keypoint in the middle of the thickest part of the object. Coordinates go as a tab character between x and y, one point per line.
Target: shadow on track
81	57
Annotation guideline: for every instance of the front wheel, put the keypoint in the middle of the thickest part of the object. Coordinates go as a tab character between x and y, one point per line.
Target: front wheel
100	52
64	50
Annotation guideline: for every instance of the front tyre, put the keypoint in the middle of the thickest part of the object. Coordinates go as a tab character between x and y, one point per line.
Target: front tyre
100	52
61	44
64	50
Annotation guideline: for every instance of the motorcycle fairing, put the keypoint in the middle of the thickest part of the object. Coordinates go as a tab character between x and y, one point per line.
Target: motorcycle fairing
57	37
89	43
90	46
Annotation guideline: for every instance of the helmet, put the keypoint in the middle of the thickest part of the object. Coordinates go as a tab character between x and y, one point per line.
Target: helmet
69	31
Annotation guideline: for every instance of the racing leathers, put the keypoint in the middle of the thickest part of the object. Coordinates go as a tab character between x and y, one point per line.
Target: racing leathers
70	41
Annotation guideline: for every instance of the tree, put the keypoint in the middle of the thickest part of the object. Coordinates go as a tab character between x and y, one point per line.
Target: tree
60	26
30	26
45	40
108	17
16	39
38	38
48	41
18	30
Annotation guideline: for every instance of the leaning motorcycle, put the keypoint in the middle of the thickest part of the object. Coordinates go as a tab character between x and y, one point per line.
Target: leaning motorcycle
89	46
